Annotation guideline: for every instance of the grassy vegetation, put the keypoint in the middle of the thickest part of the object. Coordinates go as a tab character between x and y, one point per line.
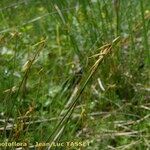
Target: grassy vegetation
75	71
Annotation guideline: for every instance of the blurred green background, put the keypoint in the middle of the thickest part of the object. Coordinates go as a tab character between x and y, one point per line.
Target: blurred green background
47	46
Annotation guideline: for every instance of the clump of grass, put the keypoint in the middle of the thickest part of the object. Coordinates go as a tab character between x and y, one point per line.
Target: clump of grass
104	51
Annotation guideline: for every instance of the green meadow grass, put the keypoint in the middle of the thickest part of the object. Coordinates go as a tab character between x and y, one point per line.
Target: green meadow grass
75	71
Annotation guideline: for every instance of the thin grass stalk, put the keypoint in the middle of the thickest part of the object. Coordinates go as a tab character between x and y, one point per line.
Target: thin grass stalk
117	12
105	50
21	85
145	37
